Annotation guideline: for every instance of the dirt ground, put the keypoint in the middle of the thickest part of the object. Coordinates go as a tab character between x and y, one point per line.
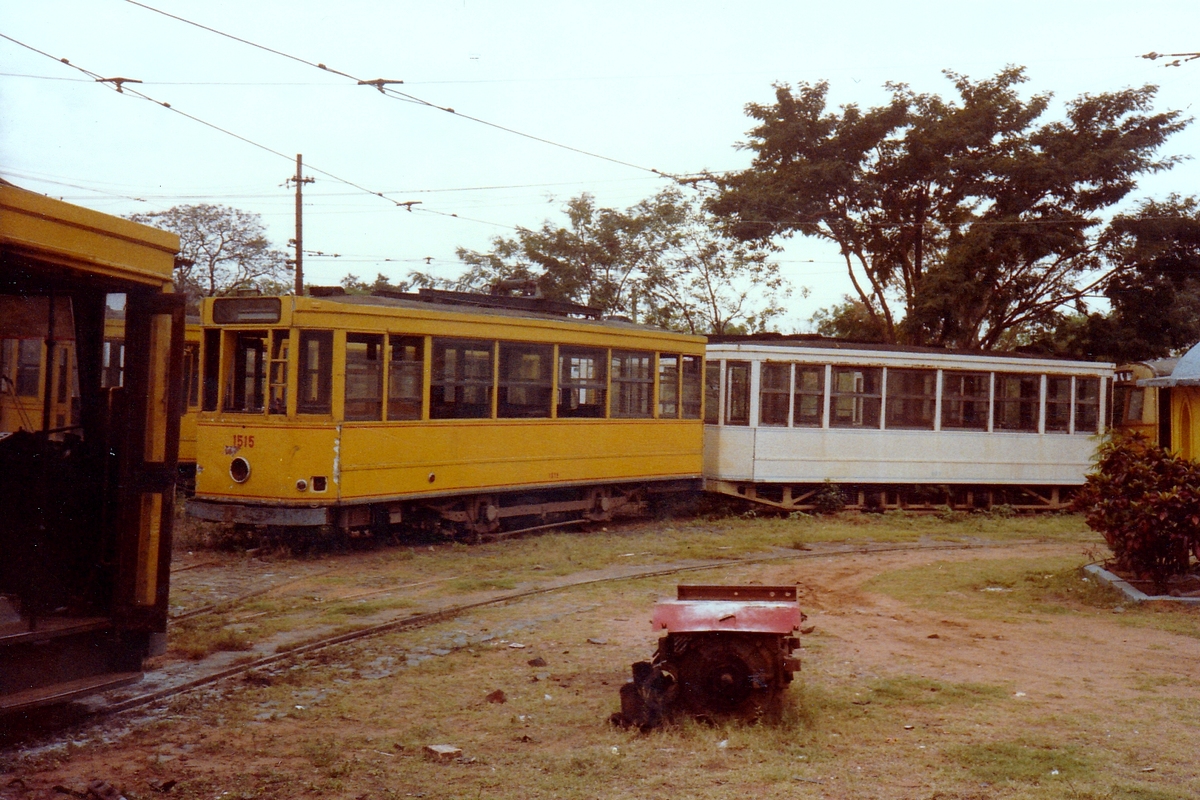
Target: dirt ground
1121	694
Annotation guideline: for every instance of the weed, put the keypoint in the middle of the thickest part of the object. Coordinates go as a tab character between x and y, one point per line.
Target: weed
1020	761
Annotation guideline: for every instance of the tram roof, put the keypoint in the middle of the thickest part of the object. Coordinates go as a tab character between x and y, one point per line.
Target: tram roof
819	342
46	242
440	305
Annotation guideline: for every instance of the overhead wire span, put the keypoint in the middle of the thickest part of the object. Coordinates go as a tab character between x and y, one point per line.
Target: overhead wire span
120	85
385	88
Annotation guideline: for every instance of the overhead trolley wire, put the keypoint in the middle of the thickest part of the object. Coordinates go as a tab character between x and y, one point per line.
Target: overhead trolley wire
123	86
384	87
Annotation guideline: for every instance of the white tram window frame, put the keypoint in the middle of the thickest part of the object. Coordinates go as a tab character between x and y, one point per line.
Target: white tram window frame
800	392
953	404
897	403
1059	403
1025	423
774	404
863	400
745	393
1082	405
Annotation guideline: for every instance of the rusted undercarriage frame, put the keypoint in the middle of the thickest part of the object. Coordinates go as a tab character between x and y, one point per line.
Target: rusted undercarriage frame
486	514
899	497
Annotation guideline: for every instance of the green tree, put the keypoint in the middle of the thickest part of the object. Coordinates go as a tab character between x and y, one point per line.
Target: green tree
961	223
222	250
660	261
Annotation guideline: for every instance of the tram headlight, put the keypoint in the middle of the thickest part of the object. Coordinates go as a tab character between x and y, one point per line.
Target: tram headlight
239	470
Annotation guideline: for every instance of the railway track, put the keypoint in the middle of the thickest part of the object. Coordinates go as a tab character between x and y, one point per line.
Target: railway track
418	621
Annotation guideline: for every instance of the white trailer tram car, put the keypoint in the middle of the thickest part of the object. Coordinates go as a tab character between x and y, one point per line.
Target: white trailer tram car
790	419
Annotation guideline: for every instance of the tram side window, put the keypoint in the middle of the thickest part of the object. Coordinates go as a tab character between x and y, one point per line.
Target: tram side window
191	372
315	393
855	397
29	367
737	393
632	384
582	382
212	369
112	371
911	398
965	400
1130	402
773	394
1087	405
668	385
364	376
691	388
1017	398
1058	404
245	392
404	377
526	386
808	405
277	375
712	392
462	380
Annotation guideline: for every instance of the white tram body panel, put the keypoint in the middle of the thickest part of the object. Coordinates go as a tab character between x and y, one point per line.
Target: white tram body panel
797	412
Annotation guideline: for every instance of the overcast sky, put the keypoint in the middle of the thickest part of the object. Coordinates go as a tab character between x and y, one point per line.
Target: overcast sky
656	85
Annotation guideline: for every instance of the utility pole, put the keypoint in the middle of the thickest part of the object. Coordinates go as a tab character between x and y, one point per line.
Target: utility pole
300	180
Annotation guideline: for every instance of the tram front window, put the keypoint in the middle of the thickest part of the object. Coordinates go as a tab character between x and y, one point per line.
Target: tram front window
245	392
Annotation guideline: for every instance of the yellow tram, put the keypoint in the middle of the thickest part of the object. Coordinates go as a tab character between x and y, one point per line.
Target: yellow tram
89	471
466	412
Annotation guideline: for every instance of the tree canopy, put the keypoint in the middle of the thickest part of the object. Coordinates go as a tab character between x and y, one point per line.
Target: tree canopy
966	222
660	261
222	250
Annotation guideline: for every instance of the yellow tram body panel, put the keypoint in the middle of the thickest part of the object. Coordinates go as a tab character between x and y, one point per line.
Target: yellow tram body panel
273	451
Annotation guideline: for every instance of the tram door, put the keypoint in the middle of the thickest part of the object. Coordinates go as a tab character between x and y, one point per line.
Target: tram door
147	465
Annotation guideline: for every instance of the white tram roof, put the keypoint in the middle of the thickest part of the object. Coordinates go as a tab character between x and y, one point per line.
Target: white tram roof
1185	373
765	347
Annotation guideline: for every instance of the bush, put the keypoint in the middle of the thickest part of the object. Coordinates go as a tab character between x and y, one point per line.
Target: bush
1146	504
829	499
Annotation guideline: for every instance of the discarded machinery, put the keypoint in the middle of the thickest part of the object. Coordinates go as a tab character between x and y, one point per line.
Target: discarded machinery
728	651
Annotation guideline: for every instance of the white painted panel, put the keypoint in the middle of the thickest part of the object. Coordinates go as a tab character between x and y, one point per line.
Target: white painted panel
729	452
804	455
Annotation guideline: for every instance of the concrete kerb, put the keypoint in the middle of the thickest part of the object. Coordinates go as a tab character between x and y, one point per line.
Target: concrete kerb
1136	595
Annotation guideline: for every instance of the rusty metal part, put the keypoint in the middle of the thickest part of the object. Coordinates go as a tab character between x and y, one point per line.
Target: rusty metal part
728	651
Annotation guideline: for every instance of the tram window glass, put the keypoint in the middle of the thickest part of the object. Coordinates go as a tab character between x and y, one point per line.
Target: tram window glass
632	384
773	394
29	367
737	393
191	373
911	398
315	393
965	400
712	392
525	380
1087	405
1017	398
245	391
855	397
668	385
278	373
582	382
112	371
404	377
462	380
364	376
809	401
1135	405
691	388
212	368
1058	404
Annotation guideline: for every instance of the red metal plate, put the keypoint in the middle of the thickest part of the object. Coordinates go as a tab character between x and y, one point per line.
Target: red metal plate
698	616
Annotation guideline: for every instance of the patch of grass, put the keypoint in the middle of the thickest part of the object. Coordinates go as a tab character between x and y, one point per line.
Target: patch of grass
366	608
1022	762
908	690
483	583
998	588
199	637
